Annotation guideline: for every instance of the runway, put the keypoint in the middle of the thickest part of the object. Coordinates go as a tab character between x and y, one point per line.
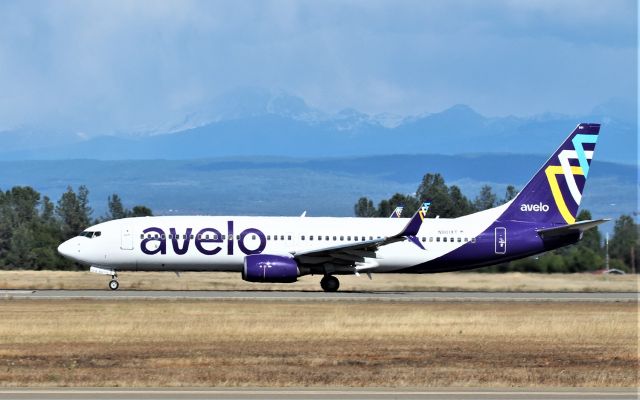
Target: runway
319	296
324	394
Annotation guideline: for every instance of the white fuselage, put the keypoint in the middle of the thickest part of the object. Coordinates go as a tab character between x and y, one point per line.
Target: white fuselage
207	243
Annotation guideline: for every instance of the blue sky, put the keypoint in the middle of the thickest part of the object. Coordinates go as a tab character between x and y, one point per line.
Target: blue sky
106	66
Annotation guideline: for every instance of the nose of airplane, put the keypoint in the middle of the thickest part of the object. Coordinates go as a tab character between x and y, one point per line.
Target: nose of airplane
68	249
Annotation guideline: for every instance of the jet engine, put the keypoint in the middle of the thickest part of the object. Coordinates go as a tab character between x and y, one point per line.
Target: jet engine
270	268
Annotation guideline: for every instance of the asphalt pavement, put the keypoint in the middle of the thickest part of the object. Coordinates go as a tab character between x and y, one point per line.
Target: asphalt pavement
318	296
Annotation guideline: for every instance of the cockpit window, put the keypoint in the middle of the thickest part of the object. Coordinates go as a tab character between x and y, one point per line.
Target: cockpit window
90	234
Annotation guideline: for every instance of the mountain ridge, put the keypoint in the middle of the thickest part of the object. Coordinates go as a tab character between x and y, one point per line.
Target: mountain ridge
281	124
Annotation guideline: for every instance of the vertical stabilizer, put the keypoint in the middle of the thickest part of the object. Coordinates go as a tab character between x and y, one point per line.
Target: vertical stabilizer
555	192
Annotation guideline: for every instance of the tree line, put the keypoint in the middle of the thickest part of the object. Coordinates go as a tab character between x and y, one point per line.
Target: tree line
450	202
32	226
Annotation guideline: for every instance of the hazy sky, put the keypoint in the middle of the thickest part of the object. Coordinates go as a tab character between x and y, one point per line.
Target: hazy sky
110	65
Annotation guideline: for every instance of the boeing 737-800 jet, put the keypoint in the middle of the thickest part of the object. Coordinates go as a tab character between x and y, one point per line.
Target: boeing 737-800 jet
281	249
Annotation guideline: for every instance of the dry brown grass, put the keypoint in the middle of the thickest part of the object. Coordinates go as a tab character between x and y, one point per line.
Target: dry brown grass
471	281
252	343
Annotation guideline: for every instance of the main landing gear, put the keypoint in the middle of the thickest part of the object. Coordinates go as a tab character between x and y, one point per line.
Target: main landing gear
113	283
330	283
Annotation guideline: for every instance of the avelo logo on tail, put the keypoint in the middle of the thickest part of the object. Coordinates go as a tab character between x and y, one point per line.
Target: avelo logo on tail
554	193
540	207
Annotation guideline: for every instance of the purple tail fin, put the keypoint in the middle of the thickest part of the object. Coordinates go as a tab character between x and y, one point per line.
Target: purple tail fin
554	194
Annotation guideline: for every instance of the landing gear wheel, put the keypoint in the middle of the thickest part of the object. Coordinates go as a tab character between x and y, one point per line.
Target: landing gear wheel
330	283
113	284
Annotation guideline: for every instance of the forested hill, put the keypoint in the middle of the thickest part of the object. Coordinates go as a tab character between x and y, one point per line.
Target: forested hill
288	186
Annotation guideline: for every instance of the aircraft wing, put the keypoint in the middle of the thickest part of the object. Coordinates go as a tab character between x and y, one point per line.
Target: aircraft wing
349	254
580	226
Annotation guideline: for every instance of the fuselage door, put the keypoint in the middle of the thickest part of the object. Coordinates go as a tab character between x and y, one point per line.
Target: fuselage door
126	242
501	240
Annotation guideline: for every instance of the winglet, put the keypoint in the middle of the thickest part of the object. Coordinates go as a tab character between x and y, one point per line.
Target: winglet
397	212
413	226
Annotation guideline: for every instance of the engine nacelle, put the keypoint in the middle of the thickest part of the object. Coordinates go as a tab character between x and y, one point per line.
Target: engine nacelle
270	268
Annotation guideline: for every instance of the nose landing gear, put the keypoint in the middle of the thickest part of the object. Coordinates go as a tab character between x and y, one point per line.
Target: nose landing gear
330	283
113	283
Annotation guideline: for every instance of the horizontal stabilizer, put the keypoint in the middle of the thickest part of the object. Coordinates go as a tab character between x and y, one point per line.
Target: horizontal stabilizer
580	226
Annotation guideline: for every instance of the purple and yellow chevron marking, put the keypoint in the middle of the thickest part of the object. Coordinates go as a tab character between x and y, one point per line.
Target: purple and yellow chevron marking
397	213
570	172
552	172
554	194
423	210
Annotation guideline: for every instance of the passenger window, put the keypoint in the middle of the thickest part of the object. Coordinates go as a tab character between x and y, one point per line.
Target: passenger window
289	237
341	238
459	240
281	237
349	238
334	239
268	237
319	237
370	237
238	237
142	236
301	237
311	237
363	239
466	240
444	239
438	239
253	237
431	239
452	240
275	237
191	237
224	237
424	239
326	238
473	240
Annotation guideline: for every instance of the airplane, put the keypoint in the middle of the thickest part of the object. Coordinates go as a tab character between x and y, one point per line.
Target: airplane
540	218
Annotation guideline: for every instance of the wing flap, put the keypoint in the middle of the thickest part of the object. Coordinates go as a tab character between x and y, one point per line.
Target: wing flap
350	254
